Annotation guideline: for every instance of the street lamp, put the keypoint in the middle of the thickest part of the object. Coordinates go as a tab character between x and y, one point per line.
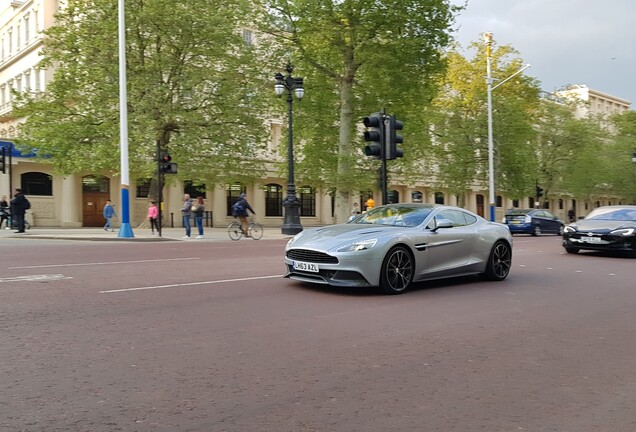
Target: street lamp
291	223
490	87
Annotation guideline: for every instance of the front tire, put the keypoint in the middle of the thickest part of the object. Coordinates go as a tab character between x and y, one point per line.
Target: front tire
499	262
256	230
397	271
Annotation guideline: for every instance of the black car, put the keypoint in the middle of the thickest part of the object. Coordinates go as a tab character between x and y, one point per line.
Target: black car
608	228
533	221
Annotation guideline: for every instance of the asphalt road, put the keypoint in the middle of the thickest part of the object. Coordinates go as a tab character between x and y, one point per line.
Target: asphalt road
194	336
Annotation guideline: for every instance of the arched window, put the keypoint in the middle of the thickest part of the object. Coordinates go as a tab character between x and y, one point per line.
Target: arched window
273	200
233	192
36	183
439	198
307	201
92	183
560	204
393	197
499	202
515	203
193	190
416	196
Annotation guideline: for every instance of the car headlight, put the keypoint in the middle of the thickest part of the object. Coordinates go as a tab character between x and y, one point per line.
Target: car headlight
569	229
623	231
358	246
293	240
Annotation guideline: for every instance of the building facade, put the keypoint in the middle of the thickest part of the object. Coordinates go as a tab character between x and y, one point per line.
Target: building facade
77	200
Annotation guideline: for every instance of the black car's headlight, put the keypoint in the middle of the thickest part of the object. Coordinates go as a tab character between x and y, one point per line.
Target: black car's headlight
569	229
623	231
357	246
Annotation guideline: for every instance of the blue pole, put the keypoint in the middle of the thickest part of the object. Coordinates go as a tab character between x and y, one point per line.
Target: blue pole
125	230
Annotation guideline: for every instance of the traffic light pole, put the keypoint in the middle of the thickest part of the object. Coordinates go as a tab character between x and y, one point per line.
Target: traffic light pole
387	145
159	188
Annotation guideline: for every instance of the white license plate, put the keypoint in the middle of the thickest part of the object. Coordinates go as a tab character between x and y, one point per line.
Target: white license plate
309	267
591	239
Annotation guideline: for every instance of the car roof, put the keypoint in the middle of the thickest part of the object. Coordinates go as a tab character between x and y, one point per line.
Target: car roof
520	211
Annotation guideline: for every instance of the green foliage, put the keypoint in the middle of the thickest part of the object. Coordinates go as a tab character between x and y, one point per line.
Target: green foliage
460	124
358	57
192	86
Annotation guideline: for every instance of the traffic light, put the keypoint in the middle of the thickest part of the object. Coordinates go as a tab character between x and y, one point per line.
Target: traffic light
539	191
3	161
393	151
165	166
375	136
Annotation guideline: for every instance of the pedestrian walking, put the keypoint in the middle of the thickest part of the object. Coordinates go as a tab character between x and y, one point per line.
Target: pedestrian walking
571	215
5	213
19	205
109	213
198	207
186	213
153	214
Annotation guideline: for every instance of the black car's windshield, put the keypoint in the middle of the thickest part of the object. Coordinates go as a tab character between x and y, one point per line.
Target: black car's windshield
614	214
408	216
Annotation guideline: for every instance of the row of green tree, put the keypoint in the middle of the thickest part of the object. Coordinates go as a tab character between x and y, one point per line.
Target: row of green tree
200	83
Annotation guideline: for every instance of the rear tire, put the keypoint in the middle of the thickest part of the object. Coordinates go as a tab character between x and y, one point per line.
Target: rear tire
499	262
561	228
536	231
397	271
234	231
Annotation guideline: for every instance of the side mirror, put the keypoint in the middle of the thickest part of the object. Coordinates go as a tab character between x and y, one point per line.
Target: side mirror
442	223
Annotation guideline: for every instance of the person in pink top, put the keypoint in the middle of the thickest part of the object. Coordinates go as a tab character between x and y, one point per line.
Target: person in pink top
153	213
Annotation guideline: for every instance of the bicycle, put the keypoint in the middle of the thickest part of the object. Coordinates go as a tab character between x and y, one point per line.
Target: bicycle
254	230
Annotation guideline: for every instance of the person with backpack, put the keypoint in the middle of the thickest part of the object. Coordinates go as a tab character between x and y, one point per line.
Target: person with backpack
19	205
239	210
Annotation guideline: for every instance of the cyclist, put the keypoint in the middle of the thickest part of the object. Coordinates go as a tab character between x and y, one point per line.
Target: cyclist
239	210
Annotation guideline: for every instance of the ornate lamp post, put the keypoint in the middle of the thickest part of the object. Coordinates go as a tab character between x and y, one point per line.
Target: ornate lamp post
291	223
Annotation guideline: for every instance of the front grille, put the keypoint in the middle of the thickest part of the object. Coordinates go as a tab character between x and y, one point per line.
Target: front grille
311	256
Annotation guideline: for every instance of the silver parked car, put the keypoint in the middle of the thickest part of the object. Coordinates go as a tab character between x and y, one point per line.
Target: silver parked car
394	245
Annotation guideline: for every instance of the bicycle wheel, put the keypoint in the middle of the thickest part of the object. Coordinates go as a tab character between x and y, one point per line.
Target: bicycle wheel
256	230
234	231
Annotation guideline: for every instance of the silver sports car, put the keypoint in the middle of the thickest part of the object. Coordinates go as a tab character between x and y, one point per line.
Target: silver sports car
394	245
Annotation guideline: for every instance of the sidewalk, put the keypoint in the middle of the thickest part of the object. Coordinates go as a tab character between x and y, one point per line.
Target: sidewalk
140	234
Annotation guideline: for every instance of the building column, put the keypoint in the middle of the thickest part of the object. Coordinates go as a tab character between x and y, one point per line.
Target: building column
325	209
219	205
70	202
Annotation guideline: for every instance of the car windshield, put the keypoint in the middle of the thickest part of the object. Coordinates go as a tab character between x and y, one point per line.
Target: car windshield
614	214
408	216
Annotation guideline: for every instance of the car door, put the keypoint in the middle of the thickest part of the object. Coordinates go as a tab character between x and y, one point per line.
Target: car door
548	222
450	248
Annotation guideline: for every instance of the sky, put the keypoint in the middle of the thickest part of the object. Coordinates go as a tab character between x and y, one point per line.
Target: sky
591	42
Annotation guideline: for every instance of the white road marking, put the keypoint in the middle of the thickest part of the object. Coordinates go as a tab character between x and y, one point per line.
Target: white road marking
104	263
190	284
35	278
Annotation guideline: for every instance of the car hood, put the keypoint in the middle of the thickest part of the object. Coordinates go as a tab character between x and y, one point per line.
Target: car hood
601	225
330	236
